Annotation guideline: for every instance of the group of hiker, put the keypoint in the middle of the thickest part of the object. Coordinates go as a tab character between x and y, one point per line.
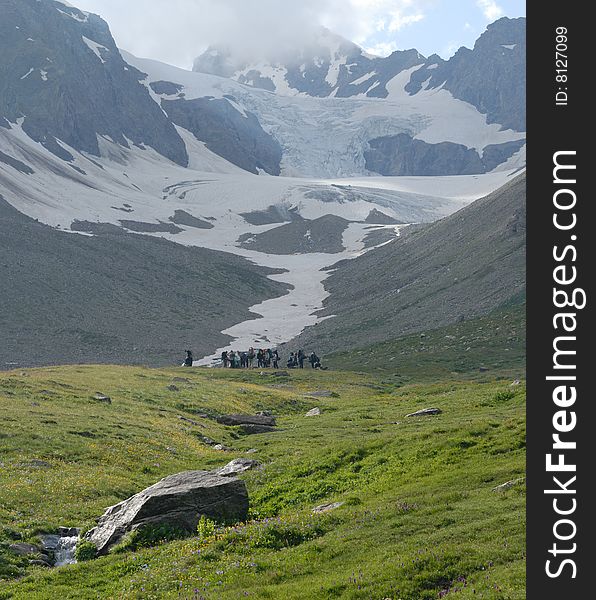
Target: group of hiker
262	359
267	358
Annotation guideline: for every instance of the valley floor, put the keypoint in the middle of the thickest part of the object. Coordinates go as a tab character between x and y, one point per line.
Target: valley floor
420	518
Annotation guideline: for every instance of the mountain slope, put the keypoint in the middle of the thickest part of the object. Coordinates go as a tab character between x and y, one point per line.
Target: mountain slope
62	74
463	266
117	298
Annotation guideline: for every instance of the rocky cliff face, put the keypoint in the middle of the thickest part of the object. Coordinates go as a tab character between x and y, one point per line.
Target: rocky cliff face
491	77
403	155
63	76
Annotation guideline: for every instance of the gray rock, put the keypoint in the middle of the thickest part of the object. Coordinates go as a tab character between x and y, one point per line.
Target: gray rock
425	412
178	500
41	563
102	398
509	484
35	464
246	420
173	388
323	508
191	421
250	429
222	448
23	549
238	465
313	413
252	451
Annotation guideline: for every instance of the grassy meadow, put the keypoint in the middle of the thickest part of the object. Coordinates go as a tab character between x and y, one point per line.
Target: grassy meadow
420	518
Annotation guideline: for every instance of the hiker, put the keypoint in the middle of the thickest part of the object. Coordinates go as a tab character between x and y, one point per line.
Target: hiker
301	357
251	357
188	360
260	362
237	359
224	359
275	359
313	359
290	363
244	360
231	359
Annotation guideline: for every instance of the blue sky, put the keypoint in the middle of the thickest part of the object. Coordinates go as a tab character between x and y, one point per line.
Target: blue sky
176	31
433	26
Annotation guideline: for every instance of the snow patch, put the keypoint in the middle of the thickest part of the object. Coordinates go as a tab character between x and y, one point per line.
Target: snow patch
364	78
27	73
95	48
74	16
509	46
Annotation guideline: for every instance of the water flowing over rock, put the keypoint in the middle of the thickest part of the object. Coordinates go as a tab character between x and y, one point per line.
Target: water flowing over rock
62	546
179	500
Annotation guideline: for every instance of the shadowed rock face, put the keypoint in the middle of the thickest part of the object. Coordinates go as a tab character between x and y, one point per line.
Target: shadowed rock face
324	234
63	73
238	138
402	155
179	500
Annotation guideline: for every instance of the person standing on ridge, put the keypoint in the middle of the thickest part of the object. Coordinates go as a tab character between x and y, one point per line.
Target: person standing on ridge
188	360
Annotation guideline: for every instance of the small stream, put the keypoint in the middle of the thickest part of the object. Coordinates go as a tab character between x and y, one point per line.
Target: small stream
62	547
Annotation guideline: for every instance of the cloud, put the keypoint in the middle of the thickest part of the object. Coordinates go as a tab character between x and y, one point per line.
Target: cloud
178	30
382	48
490	9
399	20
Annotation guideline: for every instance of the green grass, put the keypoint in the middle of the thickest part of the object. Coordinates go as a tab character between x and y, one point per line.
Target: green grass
419	516
495	342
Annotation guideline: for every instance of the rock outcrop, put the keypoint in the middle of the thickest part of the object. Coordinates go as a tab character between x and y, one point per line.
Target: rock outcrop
179	500
265	420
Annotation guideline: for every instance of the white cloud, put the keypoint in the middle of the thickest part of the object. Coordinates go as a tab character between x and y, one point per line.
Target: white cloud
399	20
490	9
178	30
382	48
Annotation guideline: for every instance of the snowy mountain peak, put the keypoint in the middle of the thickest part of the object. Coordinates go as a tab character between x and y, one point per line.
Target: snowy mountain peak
326	65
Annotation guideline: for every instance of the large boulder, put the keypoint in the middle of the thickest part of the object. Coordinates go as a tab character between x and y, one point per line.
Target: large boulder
179	500
261	419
